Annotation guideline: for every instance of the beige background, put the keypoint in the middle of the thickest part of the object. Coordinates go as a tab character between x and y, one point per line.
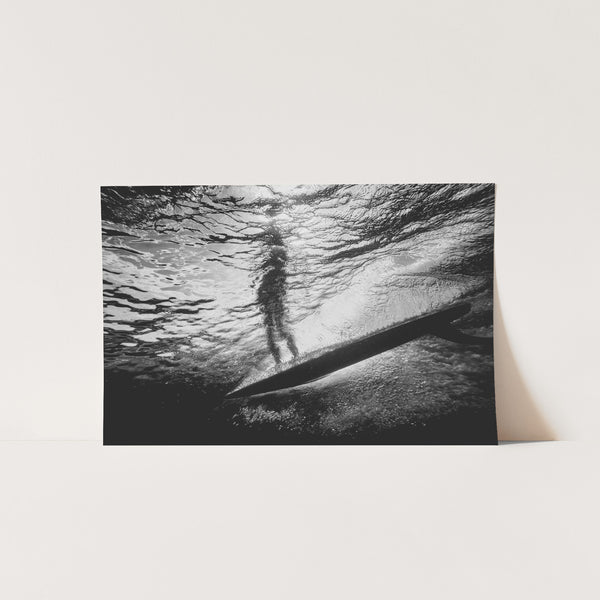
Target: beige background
99	93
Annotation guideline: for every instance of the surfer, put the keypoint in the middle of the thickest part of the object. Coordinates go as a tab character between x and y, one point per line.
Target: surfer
272	291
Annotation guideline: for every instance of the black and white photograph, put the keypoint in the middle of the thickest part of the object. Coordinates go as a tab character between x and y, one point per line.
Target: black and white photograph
299	314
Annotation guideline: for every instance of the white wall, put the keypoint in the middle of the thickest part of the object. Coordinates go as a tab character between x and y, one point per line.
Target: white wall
191	92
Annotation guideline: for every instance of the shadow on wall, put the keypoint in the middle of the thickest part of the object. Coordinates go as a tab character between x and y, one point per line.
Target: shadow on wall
519	419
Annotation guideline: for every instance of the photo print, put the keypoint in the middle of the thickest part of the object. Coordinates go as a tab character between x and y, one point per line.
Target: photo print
298	314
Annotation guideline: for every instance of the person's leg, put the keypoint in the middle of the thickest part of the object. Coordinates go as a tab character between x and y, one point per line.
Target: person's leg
286	334
273	348
289	338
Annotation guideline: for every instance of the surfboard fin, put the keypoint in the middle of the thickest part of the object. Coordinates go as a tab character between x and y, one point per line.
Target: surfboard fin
450	333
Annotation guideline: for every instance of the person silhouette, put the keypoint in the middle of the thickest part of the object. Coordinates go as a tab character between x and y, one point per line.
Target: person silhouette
272	291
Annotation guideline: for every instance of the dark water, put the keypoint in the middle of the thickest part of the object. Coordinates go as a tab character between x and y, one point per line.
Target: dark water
206	285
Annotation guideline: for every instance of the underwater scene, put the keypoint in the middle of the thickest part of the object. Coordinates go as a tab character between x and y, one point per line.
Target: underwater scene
298	314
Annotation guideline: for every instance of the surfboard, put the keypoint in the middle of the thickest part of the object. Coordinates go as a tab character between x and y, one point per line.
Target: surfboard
318	364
